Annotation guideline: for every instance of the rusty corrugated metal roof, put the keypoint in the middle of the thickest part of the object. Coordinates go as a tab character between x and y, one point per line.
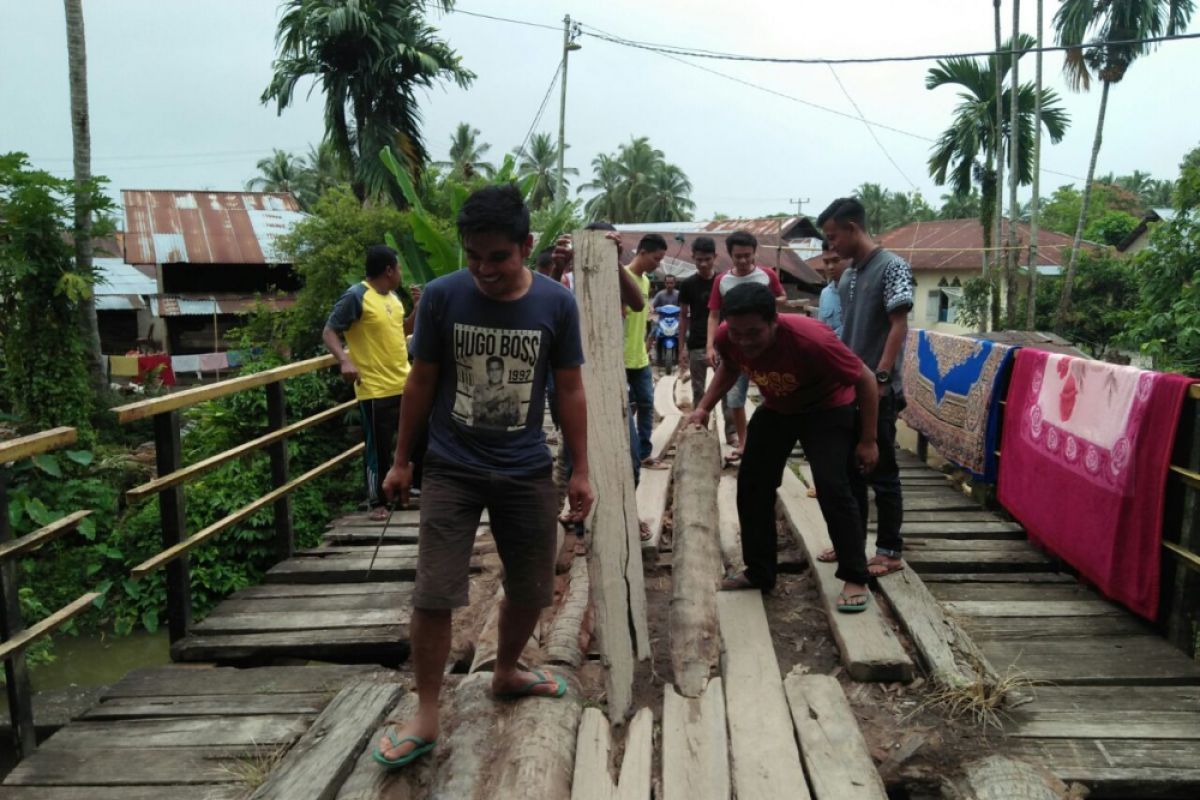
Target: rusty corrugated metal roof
196	227
197	305
785	228
957	244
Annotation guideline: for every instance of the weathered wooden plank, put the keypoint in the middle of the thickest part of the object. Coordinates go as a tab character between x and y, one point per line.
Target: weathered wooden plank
43	535
729	528
197	681
303	591
997	577
593	754
952	502
365	537
1119	768
1113	660
1020	629
1001	531
342	569
664	434
615	557
664	396
36	443
766	763
226	705
1130	698
249	731
927	559
151	792
696	563
271	621
318	763
369	781
868	646
652	492
1100	724
695	745
1033	608
980	545
953	516
51	623
303	605
114	766
384	644
386	550
998	592
836	757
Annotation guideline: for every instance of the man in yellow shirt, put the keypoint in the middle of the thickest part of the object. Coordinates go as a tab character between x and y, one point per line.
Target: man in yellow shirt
371	318
650	252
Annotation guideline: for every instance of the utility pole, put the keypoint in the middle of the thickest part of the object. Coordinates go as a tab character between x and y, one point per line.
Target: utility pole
799	205
569	44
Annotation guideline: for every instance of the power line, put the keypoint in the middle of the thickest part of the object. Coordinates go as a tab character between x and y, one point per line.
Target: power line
871	130
555	28
542	108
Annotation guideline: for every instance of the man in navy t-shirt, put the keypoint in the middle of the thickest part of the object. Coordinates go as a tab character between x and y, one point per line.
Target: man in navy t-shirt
487	338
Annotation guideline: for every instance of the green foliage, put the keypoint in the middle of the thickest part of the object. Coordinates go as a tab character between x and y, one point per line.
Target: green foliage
540	159
887	209
45	379
1111	228
307	177
638	184
1104	290
1061	212
976	301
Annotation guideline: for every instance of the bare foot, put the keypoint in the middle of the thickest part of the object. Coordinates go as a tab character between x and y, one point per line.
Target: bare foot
378	514
879	566
417	727
827	556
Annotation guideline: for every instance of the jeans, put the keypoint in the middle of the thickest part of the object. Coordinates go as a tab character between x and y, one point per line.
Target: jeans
641	402
828	437
885	480
563	467
736	396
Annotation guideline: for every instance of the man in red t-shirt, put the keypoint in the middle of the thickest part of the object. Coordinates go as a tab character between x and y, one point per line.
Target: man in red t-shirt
813	386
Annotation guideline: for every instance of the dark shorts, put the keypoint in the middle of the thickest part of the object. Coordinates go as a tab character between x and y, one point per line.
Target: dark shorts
523	514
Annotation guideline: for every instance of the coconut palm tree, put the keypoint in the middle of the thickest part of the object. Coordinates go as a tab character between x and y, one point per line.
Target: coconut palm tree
540	159
665	196
1104	41
606	203
466	154
369	57
960	206
281	172
322	170
1159	194
637	184
874	199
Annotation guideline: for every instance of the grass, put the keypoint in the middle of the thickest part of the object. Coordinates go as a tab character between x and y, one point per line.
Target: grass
981	701
253	770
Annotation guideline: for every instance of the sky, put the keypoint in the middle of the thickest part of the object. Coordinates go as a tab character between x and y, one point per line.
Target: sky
175	85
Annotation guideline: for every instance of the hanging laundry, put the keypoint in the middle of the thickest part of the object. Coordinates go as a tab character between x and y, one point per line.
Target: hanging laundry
182	364
157	367
236	358
123	366
213	362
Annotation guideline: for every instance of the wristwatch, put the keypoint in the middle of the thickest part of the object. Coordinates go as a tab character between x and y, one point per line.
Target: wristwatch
883	377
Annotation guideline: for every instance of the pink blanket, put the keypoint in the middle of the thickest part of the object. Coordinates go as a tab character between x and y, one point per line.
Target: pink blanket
1083	466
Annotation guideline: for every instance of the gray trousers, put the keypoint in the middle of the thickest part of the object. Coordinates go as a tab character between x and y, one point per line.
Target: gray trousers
698	368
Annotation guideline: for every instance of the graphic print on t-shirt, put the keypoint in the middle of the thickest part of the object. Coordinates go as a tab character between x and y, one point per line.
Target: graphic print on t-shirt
495	369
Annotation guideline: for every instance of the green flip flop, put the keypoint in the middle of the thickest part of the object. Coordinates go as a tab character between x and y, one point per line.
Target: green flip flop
848	606
527	689
422	747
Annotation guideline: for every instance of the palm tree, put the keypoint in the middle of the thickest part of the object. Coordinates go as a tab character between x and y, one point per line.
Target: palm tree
1104	40
960	206
540	159
281	172
466	154
874	199
607	186
322	170
369	57
666	197
955	160
1159	194
636	185
81	136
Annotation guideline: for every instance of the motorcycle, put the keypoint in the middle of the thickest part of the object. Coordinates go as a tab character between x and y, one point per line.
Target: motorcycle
666	334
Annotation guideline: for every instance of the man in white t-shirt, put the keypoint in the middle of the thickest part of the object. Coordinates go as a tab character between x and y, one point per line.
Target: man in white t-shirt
742	247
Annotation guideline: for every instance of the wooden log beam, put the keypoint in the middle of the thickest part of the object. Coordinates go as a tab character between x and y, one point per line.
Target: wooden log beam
172	553
593	754
190	397
471	723
536	755
26	637
1001	778
664	396
36	443
489	636
615	558
695	746
836	757
663	434
139	493
565	641
696	563
43	535
652	493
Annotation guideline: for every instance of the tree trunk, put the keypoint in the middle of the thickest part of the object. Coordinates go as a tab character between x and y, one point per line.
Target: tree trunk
987	202
1000	778
1064	303
1035	202
1012	310
998	235
81	137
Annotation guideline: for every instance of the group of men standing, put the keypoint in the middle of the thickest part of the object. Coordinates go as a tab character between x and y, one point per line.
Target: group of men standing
492	342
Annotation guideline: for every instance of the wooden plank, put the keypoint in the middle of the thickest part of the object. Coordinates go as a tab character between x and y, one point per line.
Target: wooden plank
303	591
1001	778
1114	661
928	559
696	563
151	792
1118	768
224	705
36	443
954	502
979	546
1100	724
344	569
386	550
133	734
962	530
1032	628
868	646
365	537
766	763
180	681
615	557
190	397
1130	698
729	528
998	592
1033	608
384	644
41	536
999	577
652	492
174	766
664	396
139	493
172	553
663	435
695	746
338	602
593	753
836	757
264	622
51	623
401	517
317	764
369	781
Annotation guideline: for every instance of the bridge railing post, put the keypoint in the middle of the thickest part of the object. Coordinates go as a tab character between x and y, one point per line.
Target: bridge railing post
276	419
16	672
168	458
1183	595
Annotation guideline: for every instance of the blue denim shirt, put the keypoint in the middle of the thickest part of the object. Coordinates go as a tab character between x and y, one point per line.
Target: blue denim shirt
829	309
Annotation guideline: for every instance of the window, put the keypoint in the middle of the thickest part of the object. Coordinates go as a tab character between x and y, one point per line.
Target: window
950	297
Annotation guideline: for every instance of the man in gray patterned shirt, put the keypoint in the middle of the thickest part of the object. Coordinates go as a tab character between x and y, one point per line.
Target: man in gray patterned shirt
877	294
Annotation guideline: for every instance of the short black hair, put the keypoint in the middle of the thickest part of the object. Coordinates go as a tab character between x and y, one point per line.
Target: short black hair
749	298
495	209
379	258
740	239
704	244
545	258
497	360
825	246
844	210
652	243
600	225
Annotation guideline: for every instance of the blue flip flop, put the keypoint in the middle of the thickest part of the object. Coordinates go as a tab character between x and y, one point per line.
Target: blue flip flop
422	747
527	689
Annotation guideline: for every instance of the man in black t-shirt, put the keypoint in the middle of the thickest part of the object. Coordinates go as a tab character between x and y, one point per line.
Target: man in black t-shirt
694	293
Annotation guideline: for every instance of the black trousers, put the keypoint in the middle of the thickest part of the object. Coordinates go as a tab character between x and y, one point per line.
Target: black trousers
828	438
885	480
381	424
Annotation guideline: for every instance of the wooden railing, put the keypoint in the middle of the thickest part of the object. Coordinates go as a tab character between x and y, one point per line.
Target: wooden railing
14	636
172	474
